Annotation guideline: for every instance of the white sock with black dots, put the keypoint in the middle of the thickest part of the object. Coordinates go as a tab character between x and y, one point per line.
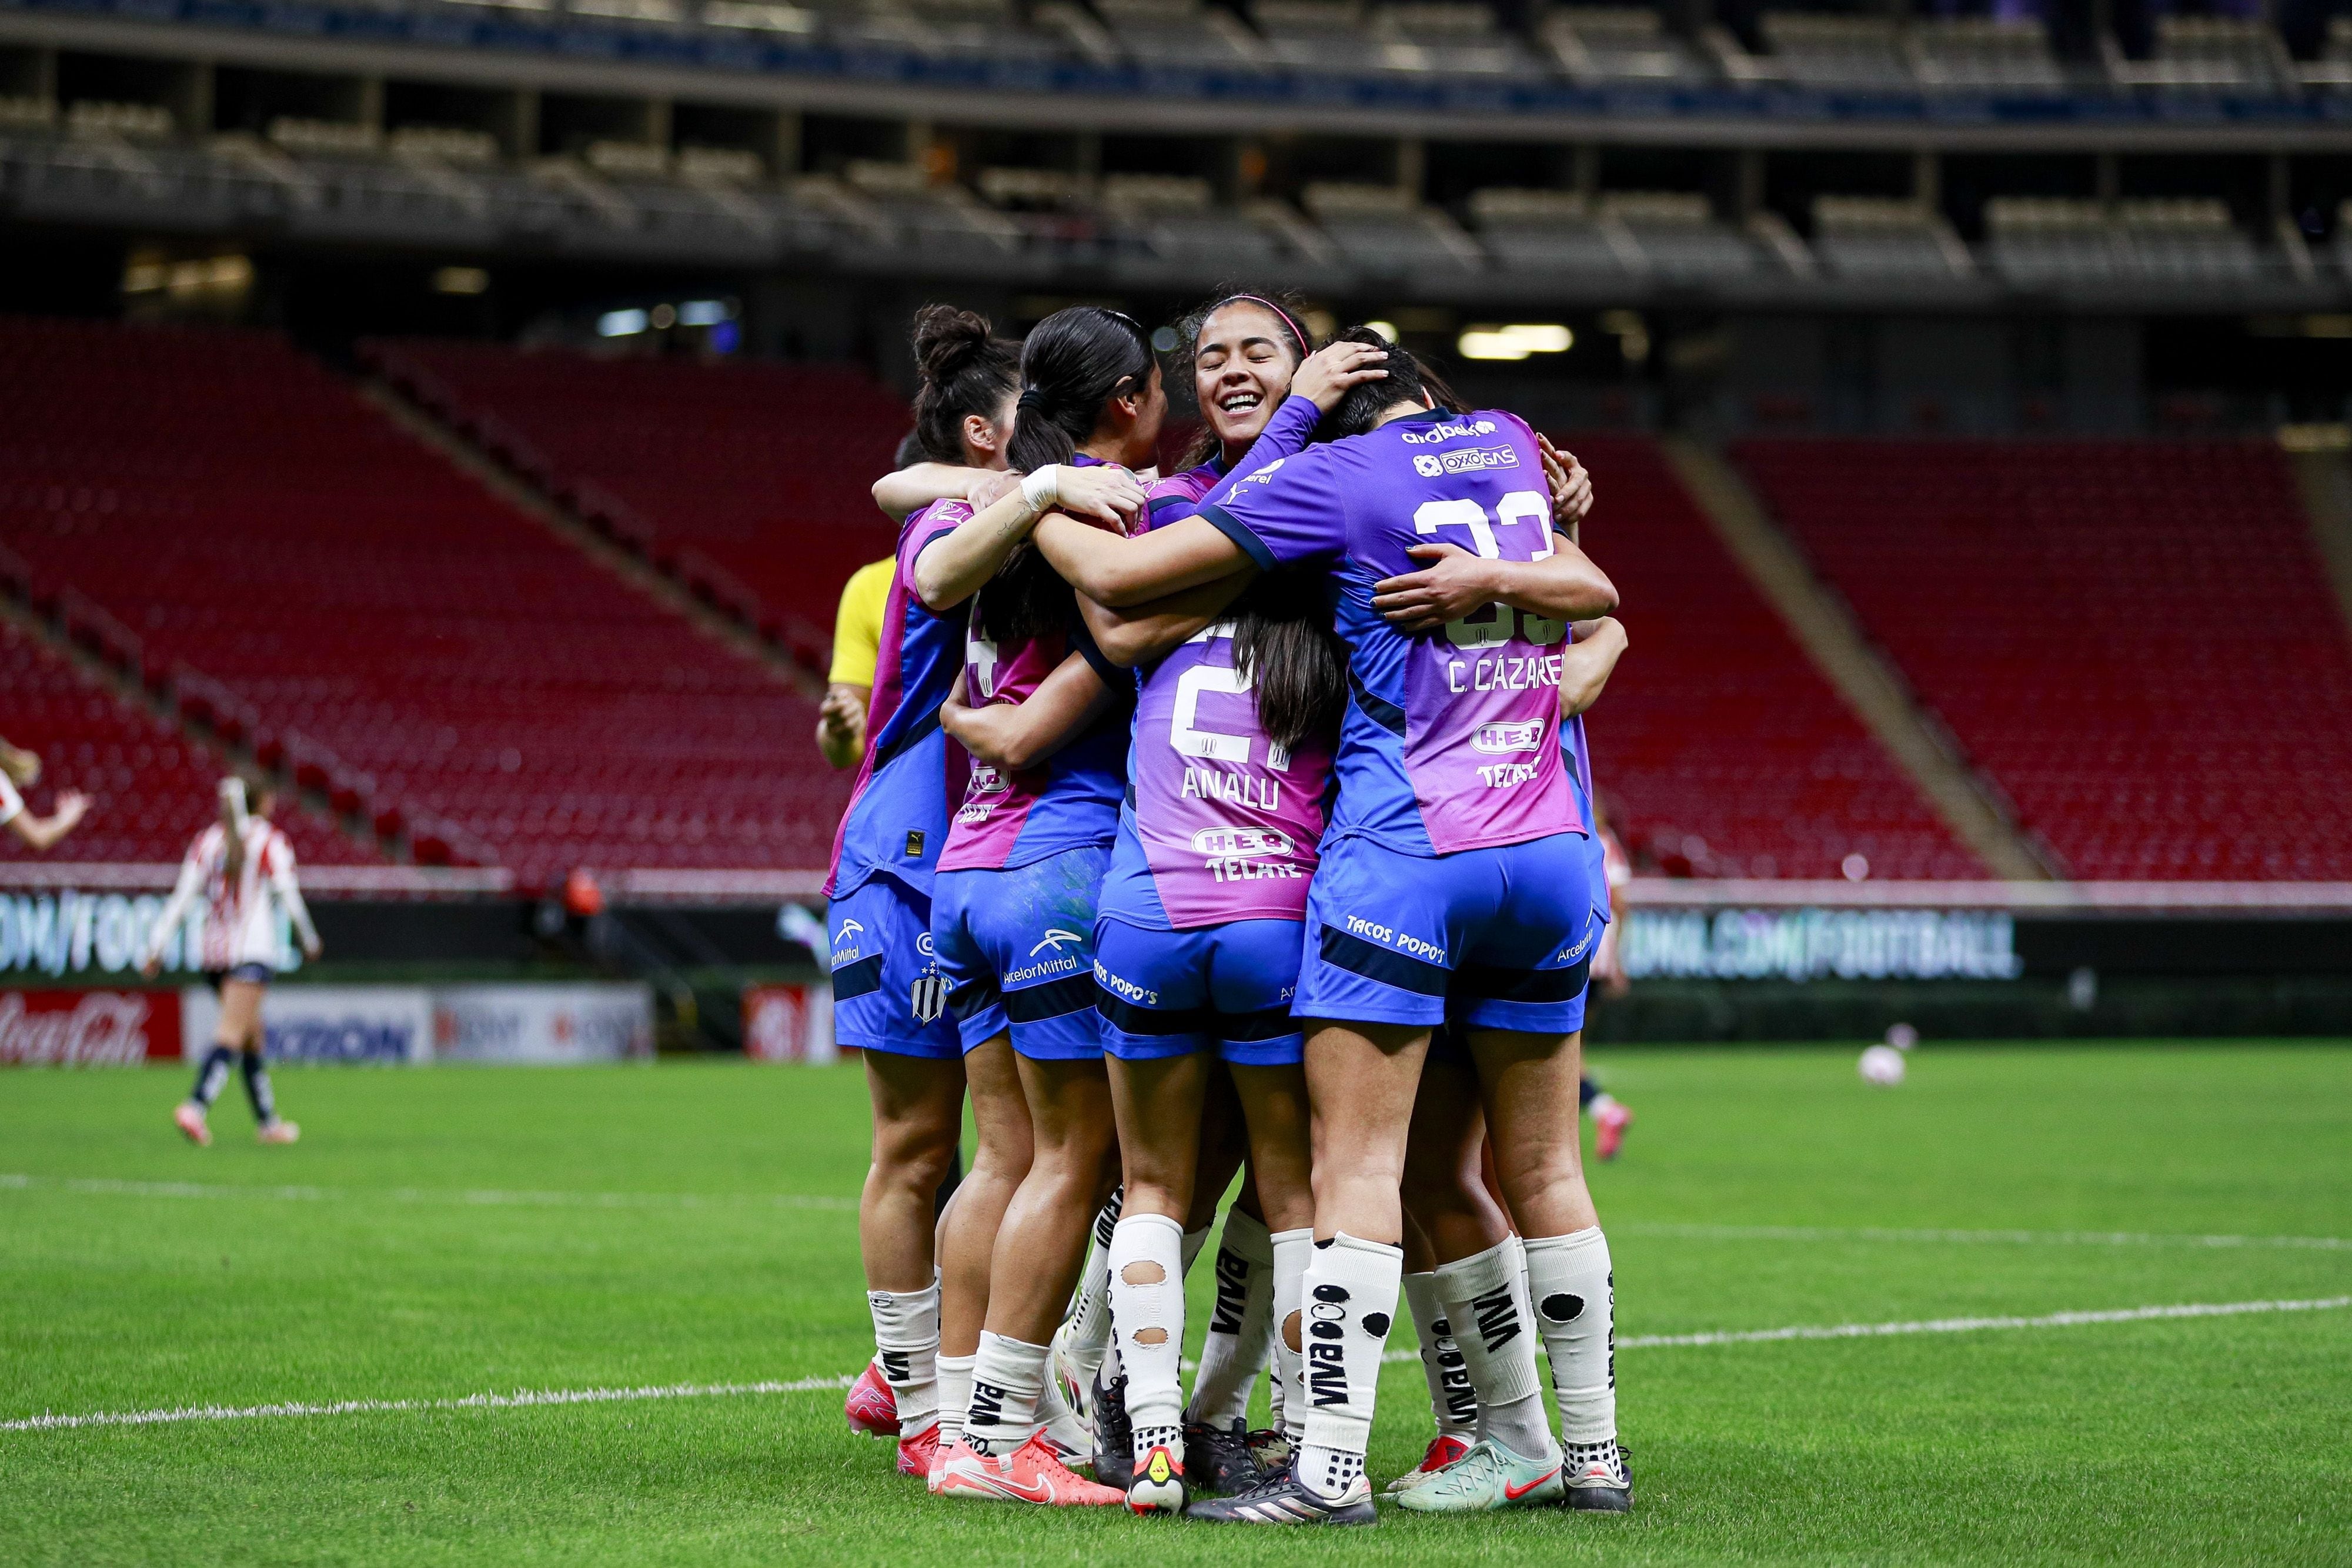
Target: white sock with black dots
1451	1405
1349	1304
1575	1300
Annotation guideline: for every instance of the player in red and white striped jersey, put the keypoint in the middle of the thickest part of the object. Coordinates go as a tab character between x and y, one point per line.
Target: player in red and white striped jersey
244	868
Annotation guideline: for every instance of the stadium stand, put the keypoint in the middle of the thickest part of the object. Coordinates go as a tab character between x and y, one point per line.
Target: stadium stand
368	615
1982	54
2053	240
1867	237
1720	750
2135	641
1388	232
751	481
1601	44
149	787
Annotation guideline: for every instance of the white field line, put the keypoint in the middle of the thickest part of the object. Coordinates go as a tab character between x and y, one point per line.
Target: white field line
527	1399
495	1198
477	1197
1972	1237
517	1401
1956	1325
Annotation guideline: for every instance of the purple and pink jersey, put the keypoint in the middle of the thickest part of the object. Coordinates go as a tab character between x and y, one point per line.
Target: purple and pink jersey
896	823
1068	802
1220	825
1448	743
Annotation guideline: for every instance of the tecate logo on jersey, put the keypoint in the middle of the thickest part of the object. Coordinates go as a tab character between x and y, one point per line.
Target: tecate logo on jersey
1498	739
1436	434
1240	843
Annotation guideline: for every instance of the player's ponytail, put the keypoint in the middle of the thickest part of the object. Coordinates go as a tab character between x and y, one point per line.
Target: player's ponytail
966	369
1073	363
1284	643
1360	407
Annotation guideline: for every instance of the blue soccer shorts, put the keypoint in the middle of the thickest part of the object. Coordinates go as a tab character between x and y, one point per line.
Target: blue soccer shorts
1489	938
1223	989
1017	947
887	992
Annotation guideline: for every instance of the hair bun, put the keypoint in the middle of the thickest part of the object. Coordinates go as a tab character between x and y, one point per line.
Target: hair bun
947	341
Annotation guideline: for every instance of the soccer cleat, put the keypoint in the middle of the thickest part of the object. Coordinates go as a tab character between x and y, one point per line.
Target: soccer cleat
1280	1499
1073	1374
1609	1130
1444	1449
1158	1484
277	1131
1064	1432
1219	1460
918	1455
1270	1448
1114	1440
191	1120
872	1409
1489	1477
1599	1486
1029	1474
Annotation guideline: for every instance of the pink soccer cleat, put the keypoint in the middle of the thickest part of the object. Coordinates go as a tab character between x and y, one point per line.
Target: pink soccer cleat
1444	1449
277	1133
1030	1474
920	1455
871	1407
1609	1125
191	1120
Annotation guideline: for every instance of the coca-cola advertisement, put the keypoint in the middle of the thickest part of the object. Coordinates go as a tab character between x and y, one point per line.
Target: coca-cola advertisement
88	1029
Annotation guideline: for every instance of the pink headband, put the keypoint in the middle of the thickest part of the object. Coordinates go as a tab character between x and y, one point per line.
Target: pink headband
1305	344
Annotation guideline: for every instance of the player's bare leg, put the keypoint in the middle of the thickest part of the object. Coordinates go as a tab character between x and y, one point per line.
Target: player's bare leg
918	1121
1529	1085
967	1232
1039	1249
1158	1101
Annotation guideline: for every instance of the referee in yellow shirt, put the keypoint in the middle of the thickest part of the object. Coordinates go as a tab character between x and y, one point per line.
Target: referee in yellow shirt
856	644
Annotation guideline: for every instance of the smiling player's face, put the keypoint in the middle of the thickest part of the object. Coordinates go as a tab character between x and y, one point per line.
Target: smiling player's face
1241	371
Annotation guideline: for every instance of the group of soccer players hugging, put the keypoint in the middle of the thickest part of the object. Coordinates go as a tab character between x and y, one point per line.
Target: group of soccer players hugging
1239	823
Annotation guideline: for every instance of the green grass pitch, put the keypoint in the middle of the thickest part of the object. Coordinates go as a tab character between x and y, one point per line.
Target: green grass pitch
448	1232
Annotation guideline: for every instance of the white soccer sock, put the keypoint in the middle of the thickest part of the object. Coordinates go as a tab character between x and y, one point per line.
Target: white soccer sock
1451	1405
1350	1298
1497	1341
1292	1249
1007	1377
1576	1300
1089	1322
1147	1309
955	1397
1241	1325
1060	1423
906	1349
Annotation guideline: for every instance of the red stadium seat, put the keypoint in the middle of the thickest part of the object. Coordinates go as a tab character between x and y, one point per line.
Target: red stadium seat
2133	639
151	789
1719	748
748	482
433	650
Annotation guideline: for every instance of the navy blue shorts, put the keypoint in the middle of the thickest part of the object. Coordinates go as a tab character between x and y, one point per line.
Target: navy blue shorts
1223	989
887	992
1491	938
251	974
1017	950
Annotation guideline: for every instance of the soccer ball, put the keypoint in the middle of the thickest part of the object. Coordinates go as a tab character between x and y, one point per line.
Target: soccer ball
1902	1036
1882	1065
